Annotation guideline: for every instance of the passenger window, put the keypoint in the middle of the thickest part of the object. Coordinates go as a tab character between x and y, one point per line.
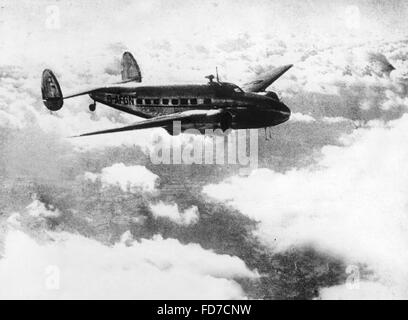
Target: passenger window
174	101
147	101
183	101
207	101
139	101
193	101
156	101
165	101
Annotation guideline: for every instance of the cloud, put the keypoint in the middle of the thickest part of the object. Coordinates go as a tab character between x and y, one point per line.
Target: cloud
14	219
128	178
394	100
40	210
9	121
334	119
240	43
300	117
171	211
351	203
75	267
365	290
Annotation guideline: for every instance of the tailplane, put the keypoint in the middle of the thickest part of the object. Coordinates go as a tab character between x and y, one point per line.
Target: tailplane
130	68
51	91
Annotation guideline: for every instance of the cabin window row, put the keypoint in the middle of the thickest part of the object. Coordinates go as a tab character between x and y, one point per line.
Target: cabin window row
174	102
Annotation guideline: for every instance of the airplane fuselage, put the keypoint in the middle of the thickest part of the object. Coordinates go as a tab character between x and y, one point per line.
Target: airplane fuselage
246	110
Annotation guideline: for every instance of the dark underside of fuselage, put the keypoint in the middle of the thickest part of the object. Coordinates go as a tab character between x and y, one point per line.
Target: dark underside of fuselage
247	110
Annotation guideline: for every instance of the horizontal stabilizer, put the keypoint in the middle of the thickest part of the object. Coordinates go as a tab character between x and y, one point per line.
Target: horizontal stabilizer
86	91
130	72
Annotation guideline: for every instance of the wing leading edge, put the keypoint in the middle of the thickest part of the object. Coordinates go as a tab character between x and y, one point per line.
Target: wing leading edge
191	116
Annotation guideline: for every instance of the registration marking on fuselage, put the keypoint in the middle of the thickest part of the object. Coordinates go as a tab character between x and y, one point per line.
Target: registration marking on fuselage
121	99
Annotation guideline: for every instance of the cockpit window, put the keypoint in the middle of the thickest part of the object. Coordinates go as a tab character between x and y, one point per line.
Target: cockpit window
232	87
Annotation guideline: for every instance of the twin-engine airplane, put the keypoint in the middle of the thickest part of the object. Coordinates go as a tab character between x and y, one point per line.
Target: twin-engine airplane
215	105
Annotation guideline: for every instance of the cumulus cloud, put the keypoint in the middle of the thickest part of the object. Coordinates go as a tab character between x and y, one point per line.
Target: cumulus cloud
171	211
240	43
364	290
40	210
74	267
300	117
351	203
128	178
14	219
334	119
394	100
9	121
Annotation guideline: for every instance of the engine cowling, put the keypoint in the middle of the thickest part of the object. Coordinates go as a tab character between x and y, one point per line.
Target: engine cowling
214	119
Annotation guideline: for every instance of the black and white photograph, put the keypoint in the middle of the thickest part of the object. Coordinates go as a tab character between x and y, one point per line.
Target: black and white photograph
225	150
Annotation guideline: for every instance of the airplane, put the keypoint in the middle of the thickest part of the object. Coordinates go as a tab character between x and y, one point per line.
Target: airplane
213	105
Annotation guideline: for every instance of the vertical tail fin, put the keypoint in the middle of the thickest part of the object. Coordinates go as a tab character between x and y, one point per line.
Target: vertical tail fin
130	68
51	91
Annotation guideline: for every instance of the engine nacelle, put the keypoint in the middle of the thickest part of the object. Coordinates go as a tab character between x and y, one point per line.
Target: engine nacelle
216	120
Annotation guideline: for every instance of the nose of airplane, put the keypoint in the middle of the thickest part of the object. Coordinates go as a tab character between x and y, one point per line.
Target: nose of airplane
285	111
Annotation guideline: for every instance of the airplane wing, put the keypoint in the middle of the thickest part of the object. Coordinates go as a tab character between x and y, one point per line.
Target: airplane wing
266	80
191	116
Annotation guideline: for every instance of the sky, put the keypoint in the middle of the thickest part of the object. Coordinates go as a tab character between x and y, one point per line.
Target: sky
324	216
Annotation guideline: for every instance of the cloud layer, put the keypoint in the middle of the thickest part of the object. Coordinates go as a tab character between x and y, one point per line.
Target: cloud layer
128	178
351	203
74	267
188	216
331	186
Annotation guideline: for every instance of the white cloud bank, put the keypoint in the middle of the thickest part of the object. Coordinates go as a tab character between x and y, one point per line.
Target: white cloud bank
39	210
365	290
75	267
300	117
171	211
353	203
128	178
